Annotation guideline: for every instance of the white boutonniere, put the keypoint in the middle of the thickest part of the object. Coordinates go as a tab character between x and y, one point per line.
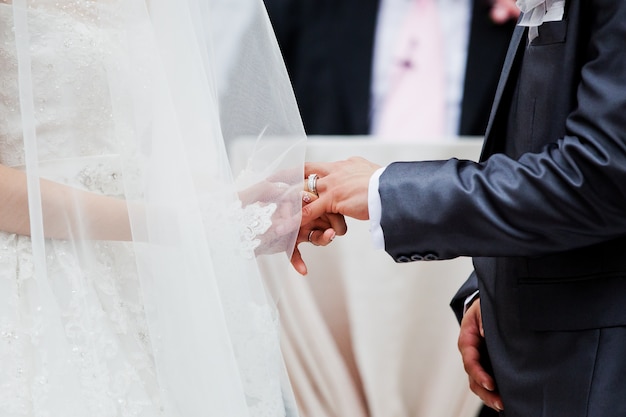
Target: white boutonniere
536	12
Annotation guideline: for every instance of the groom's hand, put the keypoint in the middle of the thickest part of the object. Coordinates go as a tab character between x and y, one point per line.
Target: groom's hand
471	344
342	187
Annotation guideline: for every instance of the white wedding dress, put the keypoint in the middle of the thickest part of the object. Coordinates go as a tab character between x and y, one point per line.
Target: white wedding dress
174	323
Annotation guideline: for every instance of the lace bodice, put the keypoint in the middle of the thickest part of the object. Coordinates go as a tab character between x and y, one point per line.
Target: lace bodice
74	68
77	145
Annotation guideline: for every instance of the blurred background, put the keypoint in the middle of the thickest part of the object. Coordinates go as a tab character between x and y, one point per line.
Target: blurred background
387	80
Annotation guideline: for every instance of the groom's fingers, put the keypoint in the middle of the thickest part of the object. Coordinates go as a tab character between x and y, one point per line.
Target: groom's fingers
471	345
320	168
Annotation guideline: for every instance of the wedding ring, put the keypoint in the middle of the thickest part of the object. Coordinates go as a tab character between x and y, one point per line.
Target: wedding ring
312	183
310	236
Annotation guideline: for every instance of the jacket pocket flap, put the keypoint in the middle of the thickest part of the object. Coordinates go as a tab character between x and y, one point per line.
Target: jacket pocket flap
581	304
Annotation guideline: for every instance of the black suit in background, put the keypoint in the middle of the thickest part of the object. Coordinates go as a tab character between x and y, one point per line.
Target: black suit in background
328	48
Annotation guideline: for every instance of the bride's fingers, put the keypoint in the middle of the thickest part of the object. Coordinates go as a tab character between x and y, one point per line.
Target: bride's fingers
322	230
337	222
314	210
320	237
320	224
334	221
308	197
286	224
326	237
303	235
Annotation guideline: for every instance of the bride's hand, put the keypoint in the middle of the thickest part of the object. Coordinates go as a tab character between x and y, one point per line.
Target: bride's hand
319	232
286	218
277	217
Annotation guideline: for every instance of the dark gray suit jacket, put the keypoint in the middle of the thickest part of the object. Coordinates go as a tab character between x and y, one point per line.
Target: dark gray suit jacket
543	215
328	47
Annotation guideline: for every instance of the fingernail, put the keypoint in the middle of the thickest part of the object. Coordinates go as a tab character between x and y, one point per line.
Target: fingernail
498	406
333	236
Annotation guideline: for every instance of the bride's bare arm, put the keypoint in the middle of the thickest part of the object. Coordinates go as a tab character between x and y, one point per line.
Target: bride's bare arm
67	212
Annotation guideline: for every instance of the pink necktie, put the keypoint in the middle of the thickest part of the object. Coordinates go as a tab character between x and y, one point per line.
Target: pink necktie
414	106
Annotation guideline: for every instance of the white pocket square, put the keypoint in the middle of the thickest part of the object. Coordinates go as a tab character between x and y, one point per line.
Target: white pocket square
536	12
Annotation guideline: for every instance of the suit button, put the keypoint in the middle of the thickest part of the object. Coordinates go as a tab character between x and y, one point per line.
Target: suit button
403	259
416	257
431	257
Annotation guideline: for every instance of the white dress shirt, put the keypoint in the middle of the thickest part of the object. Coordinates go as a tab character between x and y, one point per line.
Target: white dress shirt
455	21
374	206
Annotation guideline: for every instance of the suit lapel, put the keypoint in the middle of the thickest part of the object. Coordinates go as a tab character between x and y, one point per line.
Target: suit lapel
516	41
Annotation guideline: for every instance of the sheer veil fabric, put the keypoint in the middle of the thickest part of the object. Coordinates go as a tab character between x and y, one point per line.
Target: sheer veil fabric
133	100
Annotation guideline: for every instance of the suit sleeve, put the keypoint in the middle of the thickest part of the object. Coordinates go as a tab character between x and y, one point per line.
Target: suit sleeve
571	193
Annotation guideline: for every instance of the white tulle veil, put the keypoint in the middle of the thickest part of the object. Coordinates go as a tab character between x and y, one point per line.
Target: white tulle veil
172	82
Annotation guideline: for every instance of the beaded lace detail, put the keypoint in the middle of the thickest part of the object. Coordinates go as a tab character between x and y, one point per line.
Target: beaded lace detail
60	74
254	220
106	337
